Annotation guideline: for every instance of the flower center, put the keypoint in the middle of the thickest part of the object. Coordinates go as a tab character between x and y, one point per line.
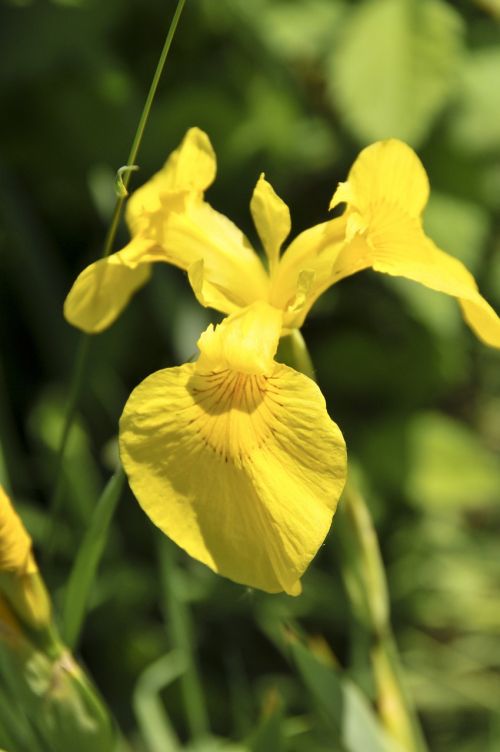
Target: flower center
234	415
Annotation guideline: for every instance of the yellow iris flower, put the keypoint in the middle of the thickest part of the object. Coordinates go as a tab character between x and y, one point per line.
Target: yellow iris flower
381	228
235	457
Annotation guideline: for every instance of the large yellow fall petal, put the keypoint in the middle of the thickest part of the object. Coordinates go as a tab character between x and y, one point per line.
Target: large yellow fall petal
271	217
386	191
241	468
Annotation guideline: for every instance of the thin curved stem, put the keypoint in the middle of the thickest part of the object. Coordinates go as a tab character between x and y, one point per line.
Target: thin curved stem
82	358
136	143
366	584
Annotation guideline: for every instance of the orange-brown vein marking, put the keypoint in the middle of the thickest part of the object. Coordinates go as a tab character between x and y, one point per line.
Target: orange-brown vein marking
234	416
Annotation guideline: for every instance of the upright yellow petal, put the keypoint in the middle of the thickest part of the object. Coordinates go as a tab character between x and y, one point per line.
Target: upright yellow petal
242	469
388	172
20	582
191	168
305	270
245	342
224	271
386	192
231	275
103	289
272	219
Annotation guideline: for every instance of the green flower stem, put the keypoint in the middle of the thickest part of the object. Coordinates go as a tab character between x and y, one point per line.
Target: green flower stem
366	584
82	358
293	351
136	143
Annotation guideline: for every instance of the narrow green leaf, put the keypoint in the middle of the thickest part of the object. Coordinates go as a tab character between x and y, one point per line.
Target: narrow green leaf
152	717
87	560
179	620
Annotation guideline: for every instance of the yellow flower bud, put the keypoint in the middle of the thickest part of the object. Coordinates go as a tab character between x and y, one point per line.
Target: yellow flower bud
15	543
20	582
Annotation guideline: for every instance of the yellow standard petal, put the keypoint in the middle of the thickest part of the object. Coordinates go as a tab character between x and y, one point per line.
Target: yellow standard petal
272	219
10	629
235	457
228	274
104	288
386	192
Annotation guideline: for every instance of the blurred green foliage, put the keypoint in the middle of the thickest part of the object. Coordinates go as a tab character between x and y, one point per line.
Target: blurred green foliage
294	88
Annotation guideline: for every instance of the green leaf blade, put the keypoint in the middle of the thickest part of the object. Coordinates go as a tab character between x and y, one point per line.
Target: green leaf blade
396	68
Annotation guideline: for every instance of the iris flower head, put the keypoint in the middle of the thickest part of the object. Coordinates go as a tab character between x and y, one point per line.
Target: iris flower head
381	228
234	456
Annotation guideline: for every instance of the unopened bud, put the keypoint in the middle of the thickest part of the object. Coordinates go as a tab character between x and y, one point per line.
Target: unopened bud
21	584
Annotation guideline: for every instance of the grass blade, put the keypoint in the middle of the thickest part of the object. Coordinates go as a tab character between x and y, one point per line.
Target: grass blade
87	560
179	621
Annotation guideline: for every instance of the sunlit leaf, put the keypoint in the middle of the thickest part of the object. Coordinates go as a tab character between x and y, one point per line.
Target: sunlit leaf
295	30
474	126
396	68
449	466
